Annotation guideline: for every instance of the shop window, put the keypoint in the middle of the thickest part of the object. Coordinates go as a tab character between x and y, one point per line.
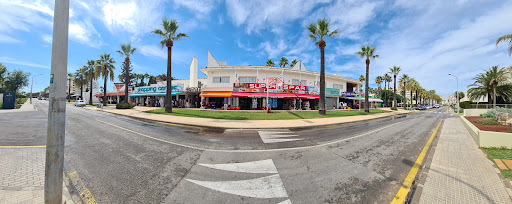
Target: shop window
337	86
221	79
247	79
299	82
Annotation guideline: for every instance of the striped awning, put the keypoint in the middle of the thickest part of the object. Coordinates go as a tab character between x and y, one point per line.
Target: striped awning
216	94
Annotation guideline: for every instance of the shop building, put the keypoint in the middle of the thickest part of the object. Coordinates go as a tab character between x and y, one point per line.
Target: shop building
245	87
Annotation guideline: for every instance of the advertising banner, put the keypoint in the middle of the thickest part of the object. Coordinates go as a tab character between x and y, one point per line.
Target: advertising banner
158	89
332	92
294	87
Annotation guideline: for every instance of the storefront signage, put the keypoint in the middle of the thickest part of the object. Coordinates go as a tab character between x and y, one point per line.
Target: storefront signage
332	91
158	89
294	87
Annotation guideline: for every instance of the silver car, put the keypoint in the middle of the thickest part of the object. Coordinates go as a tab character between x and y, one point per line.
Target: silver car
80	103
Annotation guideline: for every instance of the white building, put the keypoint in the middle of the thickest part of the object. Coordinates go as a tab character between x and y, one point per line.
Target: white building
75	90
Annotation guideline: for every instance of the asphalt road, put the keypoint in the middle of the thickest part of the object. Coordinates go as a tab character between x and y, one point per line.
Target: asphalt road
123	160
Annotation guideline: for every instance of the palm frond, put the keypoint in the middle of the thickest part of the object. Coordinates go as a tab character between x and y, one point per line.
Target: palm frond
179	36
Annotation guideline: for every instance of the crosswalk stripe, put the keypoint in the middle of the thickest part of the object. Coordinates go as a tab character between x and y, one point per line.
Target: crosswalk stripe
274	137
255	167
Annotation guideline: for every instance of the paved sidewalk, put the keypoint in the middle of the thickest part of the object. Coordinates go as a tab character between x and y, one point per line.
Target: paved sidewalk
22	176
25	107
460	172
138	112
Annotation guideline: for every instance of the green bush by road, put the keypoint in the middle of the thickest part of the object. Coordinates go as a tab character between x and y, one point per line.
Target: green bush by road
232	115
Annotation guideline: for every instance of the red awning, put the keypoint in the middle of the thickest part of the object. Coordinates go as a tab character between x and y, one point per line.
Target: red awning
263	95
307	96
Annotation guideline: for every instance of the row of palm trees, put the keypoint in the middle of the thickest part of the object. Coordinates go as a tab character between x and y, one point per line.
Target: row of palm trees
103	67
282	62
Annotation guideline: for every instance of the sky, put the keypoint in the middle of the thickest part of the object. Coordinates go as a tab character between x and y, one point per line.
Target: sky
427	39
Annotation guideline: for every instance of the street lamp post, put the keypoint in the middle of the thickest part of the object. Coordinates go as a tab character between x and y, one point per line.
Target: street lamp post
457	91
32	85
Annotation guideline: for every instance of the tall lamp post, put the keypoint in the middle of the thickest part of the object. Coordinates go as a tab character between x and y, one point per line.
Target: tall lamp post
32	85
457	91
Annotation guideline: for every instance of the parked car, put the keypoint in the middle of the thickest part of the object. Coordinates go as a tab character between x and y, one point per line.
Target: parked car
421	108
80	103
436	106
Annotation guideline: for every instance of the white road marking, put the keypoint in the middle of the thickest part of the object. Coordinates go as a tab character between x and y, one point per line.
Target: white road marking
273	137
264	187
257	150
255	167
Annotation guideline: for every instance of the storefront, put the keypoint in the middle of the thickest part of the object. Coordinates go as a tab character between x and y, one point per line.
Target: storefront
154	96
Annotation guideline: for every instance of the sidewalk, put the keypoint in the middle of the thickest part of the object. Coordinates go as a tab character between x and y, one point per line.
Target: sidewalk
25	107
460	172
22	176
138	112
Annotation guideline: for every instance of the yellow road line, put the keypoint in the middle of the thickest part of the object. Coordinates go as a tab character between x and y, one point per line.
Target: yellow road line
85	194
406	186
13	147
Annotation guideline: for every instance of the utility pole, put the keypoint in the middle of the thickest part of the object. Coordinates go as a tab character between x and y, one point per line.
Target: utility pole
32	85
57	108
457	91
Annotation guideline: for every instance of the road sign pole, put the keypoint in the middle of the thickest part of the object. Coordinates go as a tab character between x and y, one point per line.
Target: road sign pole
57	107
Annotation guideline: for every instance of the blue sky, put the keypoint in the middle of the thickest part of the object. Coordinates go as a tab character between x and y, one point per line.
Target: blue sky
428	39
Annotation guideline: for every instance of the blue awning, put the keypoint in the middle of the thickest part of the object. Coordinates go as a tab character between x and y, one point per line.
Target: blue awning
151	94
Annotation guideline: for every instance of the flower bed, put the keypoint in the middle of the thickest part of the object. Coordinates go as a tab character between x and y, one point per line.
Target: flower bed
493	128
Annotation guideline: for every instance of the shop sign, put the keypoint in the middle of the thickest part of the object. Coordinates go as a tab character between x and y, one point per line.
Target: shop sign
252	87
332	91
348	94
158	89
294	87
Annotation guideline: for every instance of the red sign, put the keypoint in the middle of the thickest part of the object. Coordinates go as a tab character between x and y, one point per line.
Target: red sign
294	87
260	86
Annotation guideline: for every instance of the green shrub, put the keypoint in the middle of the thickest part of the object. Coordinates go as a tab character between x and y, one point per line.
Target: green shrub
492	113
465	104
393	108
487	121
124	105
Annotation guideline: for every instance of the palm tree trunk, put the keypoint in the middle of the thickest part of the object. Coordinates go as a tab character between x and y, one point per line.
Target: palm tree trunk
321	105
394	92
90	89
366	103
69	90
126	78
411	96
168	90
385	94
417	98
494	89
105	88
82	90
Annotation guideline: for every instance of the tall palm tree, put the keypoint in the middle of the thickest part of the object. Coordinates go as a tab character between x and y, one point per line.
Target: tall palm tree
394	71
497	76
294	62
127	51
367	52
506	38
70	78
318	32
105	68
169	35
91	76
80	79
412	87
270	63
387	79
283	62
378	81
404	80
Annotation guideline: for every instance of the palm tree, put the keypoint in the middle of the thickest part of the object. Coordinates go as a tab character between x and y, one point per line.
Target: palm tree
367	52
283	62
270	63
317	32
506	38
412	85
105	68
361	78
378	81
497	76
395	71
126	50
80	79
91	76
70	78
294	62
387	79
169	35
404	80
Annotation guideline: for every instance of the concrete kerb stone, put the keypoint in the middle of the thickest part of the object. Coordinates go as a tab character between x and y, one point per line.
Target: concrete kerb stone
293	128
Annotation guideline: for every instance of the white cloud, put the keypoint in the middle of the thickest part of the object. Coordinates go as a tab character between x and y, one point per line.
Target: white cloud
273	49
152	51
19	15
23	63
7	39
85	33
201	8
47	38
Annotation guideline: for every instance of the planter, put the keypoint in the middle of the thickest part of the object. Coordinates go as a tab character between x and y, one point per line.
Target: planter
475	112
487	138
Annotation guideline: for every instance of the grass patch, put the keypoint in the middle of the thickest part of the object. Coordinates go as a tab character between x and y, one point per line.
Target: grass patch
94	104
487	121
500	153
231	115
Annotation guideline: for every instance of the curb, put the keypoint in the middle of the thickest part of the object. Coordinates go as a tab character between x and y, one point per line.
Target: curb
236	128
